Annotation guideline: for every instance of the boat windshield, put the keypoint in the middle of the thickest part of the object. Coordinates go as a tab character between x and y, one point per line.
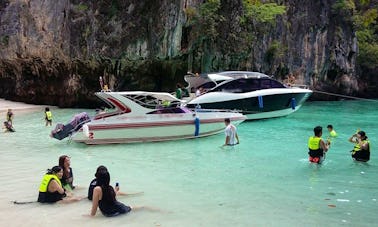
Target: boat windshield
243	85
174	110
151	102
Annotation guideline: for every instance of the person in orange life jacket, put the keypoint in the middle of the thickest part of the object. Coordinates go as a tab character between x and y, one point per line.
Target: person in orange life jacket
361	150
317	147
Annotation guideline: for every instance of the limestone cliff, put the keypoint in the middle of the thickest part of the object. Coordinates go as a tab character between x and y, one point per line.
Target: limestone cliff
53	52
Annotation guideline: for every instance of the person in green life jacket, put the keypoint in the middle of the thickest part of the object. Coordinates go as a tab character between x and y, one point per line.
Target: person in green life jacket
51	190
48	116
317	147
178	91
331	131
361	150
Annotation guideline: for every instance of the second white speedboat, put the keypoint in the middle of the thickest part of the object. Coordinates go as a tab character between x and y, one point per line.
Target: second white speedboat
254	94
140	116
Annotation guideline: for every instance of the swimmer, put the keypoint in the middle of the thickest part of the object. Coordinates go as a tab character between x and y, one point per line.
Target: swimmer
331	131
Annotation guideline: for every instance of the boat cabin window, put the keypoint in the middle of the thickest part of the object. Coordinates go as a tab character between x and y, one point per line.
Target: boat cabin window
169	111
269	83
208	85
247	85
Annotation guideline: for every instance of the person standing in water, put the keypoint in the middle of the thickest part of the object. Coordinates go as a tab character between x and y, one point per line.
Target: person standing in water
361	150
9	117
48	116
178	91
232	137
317	147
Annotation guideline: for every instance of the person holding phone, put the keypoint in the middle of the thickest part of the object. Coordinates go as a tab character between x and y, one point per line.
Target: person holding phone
104	197
93	184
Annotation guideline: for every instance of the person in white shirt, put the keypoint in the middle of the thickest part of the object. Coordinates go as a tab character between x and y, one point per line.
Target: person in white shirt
232	137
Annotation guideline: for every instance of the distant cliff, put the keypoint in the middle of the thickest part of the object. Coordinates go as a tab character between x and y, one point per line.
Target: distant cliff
53	52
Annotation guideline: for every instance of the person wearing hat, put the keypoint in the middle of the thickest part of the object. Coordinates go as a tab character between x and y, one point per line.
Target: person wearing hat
361	150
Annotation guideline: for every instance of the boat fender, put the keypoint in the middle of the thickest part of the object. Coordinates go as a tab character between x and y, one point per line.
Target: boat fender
86	130
197	126
293	103
261	102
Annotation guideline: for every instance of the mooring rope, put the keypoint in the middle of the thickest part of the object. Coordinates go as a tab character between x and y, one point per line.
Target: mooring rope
344	96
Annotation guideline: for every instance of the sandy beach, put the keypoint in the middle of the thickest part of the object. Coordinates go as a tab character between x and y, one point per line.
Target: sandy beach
18	107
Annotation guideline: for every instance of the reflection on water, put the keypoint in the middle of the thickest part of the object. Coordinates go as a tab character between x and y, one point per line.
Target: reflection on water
264	181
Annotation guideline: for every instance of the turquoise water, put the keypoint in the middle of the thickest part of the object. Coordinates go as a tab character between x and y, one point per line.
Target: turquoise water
264	181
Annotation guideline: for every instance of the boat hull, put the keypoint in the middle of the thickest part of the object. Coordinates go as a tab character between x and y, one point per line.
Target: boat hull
255	105
152	129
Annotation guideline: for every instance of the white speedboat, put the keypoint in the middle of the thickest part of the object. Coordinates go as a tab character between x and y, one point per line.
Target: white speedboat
139	116
254	94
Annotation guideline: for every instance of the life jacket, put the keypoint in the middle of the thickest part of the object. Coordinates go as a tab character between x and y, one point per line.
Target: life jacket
333	133
314	147
314	143
48	115
358	148
46	180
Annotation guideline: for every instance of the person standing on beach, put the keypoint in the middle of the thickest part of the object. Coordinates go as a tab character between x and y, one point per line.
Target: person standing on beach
48	116
9	117
232	137
317	147
361	150
178	91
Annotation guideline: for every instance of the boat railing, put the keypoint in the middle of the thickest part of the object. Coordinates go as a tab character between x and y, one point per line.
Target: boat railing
215	110
302	86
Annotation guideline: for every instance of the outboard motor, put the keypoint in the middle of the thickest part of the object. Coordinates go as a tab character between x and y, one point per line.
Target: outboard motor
62	131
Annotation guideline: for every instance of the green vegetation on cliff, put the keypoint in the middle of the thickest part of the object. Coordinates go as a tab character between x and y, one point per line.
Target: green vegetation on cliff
364	15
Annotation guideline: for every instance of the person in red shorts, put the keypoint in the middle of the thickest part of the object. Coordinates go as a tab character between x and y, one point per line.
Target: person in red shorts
317	147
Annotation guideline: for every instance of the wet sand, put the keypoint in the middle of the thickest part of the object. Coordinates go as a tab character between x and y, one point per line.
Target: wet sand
18	107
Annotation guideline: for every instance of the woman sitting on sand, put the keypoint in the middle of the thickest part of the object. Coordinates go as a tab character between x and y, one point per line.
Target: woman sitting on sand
104	197
51	190
67	178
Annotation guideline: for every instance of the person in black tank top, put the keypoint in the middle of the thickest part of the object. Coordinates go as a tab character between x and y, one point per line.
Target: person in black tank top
104	197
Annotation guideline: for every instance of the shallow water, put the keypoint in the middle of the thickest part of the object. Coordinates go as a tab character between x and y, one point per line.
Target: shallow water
264	181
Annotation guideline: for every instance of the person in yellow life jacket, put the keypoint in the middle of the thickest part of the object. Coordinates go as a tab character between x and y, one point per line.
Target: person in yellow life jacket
317	147
51	190
48	116
331	131
361	150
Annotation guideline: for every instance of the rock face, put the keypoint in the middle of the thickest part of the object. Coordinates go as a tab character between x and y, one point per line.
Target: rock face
53	52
